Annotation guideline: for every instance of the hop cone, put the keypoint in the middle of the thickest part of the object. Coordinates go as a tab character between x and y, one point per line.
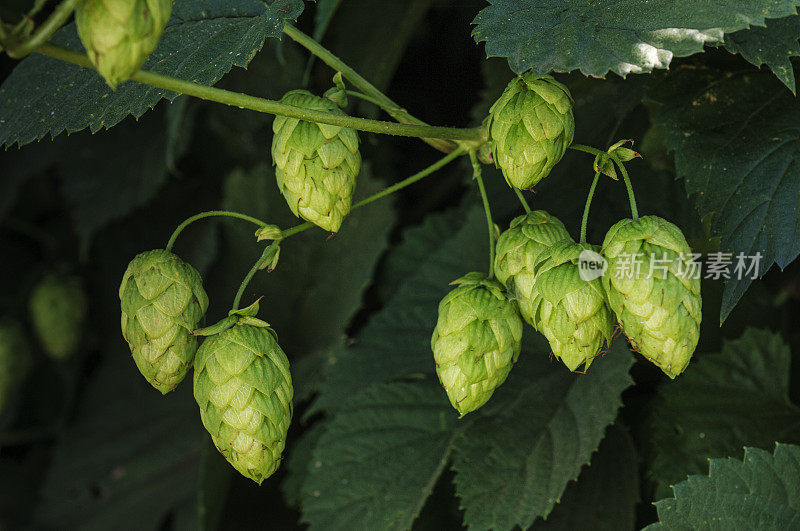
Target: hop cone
58	309
651	290
15	360
243	387
529	238
316	164
530	127
119	34
162	301
476	341
571	312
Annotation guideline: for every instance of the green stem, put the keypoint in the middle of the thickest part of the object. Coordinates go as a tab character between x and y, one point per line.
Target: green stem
56	19
393	109
362	96
253	103
210	213
522	200
237	299
586	149
386	191
588	205
476	167
629	186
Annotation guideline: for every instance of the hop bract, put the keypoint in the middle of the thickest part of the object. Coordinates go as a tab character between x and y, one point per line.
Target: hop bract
530	128
244	389
162	300
119	35
529	237
651	288
476	341
570	310
316	165
15	360
58	309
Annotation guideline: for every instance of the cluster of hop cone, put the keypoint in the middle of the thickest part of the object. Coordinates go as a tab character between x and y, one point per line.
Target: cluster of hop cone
478	334
242	382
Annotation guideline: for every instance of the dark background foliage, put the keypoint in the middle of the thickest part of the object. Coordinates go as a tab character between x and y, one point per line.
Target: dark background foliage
373	443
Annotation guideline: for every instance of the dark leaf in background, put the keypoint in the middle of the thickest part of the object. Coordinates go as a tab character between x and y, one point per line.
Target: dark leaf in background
540	428
627	36
761	492
736	140
606	493
723	402
203	40
130	457
409	429
105	176
773	45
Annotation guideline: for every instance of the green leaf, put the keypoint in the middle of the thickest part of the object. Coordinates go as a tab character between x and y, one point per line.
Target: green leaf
622	36
417	244
298	464
320	280
735	139
534	436
761	492
378	461
135	154
396	341
201	43
129	457
605	496
772	45
737	397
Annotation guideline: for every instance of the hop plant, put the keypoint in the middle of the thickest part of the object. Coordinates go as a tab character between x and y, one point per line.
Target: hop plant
569	310
119	35
476	341
316	165
244	389
15	360
530	127
58	309
657	303
529	237
162	300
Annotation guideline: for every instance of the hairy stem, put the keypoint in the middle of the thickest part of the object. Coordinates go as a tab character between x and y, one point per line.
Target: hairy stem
522	200
253	103
57	19
476	167
588	205
210	213
629	186
264	256
393	109
587	149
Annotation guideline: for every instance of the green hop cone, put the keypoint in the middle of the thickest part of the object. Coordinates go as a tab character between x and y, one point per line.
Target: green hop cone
530	127
529	237
58	310
316	165
15	360
162	300
244	389
568	308
476	341
651	289
119	34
